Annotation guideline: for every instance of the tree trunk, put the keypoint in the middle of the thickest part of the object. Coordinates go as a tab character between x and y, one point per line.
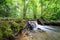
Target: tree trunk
24	10
34	15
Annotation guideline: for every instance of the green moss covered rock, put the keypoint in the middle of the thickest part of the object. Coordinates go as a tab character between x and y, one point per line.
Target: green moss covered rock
10	26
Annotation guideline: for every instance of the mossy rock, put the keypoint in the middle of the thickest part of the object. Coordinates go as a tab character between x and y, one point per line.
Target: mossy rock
5	28
8	26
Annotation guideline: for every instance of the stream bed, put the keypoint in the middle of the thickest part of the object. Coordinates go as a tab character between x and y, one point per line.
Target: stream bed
48	33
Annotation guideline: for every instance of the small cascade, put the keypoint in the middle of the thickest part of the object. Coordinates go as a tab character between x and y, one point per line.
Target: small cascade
32	31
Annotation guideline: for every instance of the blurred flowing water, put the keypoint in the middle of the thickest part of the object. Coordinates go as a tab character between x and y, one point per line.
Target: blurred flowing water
47	33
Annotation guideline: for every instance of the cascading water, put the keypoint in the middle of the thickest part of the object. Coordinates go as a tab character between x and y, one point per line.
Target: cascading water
50	32
36	26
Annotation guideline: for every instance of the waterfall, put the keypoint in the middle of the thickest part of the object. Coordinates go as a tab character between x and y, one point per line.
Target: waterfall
37	26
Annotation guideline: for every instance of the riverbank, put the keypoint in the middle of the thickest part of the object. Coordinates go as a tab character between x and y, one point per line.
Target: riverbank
10	26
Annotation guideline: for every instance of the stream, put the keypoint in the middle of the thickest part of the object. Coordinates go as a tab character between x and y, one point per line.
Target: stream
47	33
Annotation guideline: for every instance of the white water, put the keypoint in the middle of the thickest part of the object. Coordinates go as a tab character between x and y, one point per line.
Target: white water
44	28
52	32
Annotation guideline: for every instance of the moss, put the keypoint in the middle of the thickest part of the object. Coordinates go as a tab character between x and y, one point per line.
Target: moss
5	29
8	32
14	26
9	27
17	26
1	34
22	23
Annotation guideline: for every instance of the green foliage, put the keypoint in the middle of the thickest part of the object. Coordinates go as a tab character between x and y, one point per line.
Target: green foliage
2	2
50	9
30	8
